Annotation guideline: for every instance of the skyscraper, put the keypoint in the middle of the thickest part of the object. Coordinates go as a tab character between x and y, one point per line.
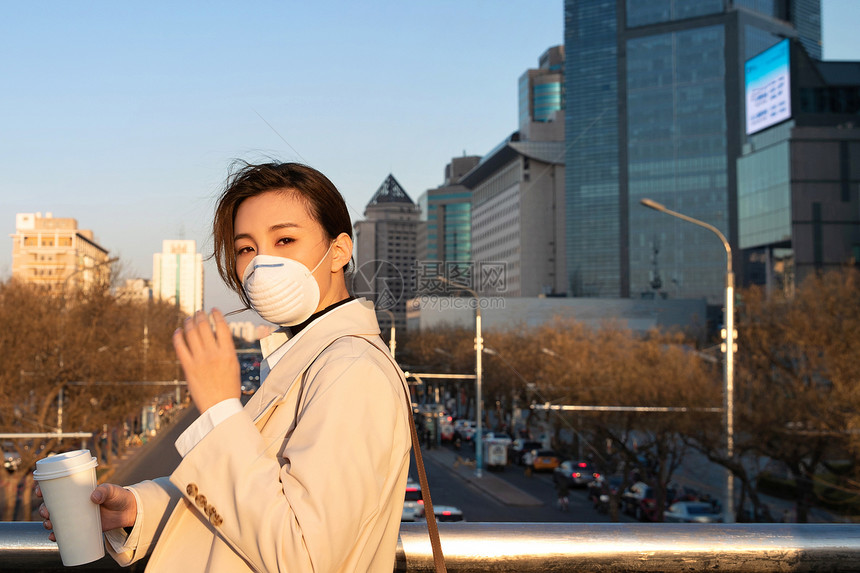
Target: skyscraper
177	275
385	250
654	93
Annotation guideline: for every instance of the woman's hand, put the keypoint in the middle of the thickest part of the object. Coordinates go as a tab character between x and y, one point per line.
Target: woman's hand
208	359
117	506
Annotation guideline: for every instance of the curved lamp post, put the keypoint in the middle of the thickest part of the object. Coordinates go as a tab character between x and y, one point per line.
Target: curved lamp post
479	348
728	348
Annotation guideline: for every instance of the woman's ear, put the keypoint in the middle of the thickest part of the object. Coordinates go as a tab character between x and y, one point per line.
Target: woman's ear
341	252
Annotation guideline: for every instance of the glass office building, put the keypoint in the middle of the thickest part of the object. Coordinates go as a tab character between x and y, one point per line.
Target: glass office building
655	109
448	215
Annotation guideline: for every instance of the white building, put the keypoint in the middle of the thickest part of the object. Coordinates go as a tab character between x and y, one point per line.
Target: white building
177	275
518	219
246	330
138	289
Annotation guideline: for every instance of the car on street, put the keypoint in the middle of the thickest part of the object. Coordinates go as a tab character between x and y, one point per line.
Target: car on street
640	501
250	383
545	460
465	429
692	512
575	473
447	513
446	428
413	505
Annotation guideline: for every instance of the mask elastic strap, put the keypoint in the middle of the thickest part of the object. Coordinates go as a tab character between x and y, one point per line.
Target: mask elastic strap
323	258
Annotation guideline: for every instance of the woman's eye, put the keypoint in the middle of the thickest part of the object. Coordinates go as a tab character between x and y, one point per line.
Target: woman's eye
244	250
284	241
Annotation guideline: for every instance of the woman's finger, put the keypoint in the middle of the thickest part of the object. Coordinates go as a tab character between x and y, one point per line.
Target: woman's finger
203	327
192	338
222	329
180	346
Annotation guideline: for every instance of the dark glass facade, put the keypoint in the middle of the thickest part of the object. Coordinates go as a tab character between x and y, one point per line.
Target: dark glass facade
676	149
654	108
591	159
644	12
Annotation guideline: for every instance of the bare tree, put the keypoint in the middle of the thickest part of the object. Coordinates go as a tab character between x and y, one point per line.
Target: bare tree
797	394
84	349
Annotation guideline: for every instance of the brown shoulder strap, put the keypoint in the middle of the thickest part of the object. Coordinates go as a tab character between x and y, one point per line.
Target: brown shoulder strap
430	516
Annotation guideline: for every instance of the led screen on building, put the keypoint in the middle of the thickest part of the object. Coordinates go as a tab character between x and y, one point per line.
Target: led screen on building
767	81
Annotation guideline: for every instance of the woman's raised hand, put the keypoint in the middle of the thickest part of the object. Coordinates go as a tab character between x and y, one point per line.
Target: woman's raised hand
208	359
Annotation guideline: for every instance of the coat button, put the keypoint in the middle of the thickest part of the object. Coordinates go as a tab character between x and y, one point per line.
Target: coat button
191	489
200	500
216	520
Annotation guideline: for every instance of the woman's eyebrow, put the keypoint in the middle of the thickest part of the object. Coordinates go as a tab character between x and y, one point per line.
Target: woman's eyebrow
277	227
286	225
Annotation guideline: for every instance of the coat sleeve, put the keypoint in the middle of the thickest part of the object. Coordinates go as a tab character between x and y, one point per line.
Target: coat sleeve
158	498
338	477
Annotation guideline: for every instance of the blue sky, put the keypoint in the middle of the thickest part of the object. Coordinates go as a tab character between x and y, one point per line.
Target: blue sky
126	116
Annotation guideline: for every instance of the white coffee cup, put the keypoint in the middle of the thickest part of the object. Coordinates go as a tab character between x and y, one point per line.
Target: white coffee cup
66	481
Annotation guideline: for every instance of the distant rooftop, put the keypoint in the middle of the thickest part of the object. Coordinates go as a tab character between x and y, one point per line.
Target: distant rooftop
390	192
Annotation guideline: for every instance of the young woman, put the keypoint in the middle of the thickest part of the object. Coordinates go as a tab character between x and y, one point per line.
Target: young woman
310	475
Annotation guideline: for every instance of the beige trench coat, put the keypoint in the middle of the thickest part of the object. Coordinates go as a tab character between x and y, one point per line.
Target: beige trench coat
309	477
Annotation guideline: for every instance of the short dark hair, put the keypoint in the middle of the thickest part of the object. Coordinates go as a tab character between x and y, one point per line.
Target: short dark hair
324	203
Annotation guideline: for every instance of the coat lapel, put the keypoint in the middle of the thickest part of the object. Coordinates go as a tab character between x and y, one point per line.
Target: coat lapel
356	318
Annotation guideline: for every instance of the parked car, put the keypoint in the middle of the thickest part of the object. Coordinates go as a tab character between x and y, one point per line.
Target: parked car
519	447
545	460
576	474
692	512
414	502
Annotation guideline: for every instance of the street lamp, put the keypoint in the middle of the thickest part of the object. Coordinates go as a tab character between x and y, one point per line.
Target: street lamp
479	348
391	342
728	348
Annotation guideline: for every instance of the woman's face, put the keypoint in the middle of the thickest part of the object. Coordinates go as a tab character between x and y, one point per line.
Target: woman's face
278	223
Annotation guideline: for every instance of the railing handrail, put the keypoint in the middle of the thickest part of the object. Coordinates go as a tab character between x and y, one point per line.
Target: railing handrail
533	547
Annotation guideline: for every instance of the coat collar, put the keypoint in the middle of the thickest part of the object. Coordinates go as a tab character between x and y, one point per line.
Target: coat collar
356	318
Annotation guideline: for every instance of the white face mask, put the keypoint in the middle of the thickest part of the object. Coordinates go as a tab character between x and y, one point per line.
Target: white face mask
282	291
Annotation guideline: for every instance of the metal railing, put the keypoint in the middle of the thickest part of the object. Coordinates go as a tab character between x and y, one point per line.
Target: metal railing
540	547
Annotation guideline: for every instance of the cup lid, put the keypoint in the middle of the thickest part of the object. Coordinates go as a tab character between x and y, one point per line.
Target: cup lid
66	463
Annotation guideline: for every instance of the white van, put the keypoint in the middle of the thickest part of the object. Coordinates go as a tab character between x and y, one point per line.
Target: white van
496	453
